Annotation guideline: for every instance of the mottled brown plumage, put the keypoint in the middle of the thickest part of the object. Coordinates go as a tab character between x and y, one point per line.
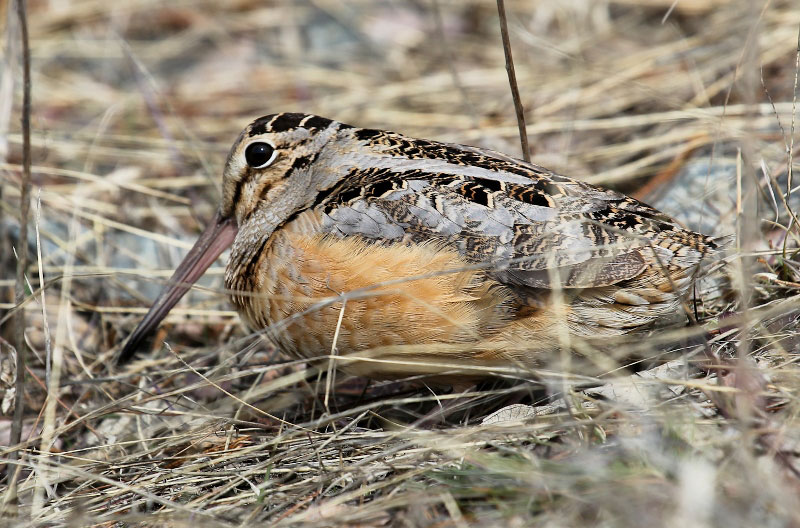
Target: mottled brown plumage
459	256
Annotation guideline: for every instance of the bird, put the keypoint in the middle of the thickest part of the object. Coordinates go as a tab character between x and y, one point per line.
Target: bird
396	256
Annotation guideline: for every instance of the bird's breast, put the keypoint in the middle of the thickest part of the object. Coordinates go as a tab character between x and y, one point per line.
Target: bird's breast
314	294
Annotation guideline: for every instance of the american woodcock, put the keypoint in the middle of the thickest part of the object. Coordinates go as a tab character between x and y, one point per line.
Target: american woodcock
407	256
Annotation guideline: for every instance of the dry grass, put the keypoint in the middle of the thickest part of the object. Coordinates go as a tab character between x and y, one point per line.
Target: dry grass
135	105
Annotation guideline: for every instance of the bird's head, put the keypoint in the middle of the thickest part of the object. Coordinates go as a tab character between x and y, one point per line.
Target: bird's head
279	165
275	165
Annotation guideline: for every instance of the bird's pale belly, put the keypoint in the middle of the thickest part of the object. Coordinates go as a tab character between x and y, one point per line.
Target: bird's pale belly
418	309
410	301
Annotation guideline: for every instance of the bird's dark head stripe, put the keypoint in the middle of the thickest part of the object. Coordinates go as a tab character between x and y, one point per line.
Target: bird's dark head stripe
287	121
284	122
304	161
315	121
237	192
259	126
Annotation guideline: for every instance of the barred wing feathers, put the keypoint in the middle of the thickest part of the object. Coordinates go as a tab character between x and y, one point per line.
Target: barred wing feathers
524	221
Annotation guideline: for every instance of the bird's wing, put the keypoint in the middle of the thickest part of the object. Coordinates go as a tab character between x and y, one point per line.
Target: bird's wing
527	224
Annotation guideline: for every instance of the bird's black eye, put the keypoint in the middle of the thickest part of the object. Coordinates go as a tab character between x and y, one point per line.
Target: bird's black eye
259	154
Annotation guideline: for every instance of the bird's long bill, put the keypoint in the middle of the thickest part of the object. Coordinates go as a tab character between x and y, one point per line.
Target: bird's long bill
217	237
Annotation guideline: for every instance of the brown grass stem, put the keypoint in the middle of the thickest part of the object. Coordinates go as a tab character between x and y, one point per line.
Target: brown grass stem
22	246
512	81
